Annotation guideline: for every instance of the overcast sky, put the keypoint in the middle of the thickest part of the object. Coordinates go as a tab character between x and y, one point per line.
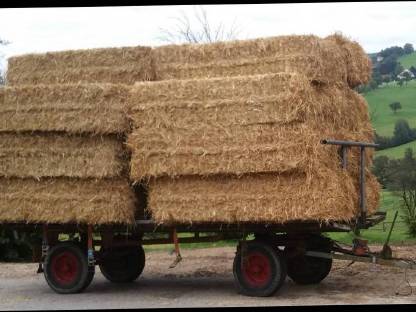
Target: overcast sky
375	25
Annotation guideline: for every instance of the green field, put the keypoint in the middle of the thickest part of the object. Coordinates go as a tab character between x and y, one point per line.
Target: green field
398	151
383	118
408	60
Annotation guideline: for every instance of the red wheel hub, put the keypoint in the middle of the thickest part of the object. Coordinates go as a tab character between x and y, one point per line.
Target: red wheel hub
65	267
257	269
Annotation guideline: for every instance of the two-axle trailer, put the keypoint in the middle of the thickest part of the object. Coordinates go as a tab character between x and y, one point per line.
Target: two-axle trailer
266	253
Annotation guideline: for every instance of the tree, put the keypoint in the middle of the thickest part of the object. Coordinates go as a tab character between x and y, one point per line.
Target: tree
403	183
407	76
400	82
408	48
381	169
402	132
413	70
395	106
201	30
394	51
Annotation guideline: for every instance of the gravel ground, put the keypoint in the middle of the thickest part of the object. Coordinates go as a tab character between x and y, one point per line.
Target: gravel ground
204	278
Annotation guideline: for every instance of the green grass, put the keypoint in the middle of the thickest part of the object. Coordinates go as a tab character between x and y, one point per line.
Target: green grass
383	118
378	234
408	60
398	151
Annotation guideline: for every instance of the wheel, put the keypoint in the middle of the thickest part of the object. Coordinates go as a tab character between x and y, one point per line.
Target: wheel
262	272
122	264
66	268
307	270
91	274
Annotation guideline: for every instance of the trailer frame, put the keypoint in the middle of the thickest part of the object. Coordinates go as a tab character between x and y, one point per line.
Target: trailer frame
273	243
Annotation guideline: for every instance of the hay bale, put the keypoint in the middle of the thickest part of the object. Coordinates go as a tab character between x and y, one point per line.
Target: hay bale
111	65
313	67
359	67
74	108
56	155
65	200
319	59
116	75
272	198
237	125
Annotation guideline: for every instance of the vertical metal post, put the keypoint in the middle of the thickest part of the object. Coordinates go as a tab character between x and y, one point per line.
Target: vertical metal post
363	207
344	156
44	248
177	251
90	255
45	243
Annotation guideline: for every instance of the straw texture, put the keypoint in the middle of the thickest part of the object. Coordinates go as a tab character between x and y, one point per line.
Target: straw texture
55	155
112	65
74	108
271	198
64	200
197	127
324	60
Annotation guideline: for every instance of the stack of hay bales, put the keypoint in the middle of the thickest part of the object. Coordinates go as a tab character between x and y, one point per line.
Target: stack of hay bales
62	130
229	132
233	134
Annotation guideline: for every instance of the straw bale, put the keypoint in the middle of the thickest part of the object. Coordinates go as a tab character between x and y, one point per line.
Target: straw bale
203	129
313	67
109	65
54	155
237	49
66	200
101	57
271	198
74	108
105	74
319	59
358	63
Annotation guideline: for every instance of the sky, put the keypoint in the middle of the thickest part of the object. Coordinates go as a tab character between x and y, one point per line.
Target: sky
375	25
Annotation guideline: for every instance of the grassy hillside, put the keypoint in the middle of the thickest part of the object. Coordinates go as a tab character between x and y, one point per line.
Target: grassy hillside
408	60
398	151
379	100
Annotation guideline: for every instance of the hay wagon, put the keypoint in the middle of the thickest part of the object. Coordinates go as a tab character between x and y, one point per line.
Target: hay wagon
294	249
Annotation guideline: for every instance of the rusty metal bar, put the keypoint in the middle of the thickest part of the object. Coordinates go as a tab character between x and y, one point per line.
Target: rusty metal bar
348	143
363	207
344	151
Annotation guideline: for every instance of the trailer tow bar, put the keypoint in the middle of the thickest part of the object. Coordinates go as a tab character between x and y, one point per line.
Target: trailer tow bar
371	258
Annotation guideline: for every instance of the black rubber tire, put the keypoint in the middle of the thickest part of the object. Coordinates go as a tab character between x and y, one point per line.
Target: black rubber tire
306	270
91	274
82	276
122	264
277	268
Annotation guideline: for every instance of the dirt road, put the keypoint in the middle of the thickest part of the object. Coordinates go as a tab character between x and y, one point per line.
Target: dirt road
204	278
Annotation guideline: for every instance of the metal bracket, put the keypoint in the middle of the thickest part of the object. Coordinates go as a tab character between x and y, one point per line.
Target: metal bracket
177	251
343	151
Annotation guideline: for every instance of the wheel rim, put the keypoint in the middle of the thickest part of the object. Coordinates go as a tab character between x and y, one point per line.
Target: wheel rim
65	268
257	269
